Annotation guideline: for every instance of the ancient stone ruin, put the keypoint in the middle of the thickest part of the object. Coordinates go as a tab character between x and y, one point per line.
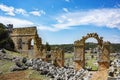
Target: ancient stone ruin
79	52
55	56
51	63
27	41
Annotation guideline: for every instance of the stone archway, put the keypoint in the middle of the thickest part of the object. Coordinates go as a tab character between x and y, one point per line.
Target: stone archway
79	52
30	44
22	38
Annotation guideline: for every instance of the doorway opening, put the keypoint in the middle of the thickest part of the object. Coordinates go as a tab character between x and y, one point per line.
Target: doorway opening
31	44
91	54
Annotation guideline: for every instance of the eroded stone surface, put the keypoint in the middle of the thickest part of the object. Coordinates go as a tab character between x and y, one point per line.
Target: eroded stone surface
27	41
79	51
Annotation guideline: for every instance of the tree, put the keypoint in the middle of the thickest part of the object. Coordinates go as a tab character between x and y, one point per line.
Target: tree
5	40
47	46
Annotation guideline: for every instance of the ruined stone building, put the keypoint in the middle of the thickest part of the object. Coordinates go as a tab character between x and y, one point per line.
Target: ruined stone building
79	52
26	40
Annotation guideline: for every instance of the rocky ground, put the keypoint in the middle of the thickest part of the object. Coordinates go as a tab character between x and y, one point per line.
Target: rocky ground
16	67
7	62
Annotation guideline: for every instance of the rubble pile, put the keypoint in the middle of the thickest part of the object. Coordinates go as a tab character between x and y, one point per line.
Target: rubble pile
63	73
114	70
49	70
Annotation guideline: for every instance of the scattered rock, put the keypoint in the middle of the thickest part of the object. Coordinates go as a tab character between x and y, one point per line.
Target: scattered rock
16	68
16	59
24	60
2	55
1	72
48	69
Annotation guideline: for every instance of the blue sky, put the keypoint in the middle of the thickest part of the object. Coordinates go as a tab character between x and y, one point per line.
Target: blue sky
64	21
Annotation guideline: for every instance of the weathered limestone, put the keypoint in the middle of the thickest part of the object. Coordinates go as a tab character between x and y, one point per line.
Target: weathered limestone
79	51
55	56
104	59
78	55
27	41
58	57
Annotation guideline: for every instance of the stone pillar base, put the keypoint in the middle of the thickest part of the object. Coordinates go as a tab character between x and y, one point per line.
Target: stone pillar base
103	65
60	63
78	65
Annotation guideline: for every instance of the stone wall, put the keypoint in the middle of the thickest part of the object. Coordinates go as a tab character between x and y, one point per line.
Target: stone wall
79	51
23	38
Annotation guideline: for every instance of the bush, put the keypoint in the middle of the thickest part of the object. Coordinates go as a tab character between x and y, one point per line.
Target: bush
5	40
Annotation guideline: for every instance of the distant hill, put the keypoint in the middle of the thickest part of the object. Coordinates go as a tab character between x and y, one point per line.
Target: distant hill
70	48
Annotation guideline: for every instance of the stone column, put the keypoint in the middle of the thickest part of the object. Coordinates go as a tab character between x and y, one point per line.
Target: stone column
36	51
104	61
79	58
60	58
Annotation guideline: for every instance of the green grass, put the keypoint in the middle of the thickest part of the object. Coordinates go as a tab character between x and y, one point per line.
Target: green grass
5	65
91	62
68	55
35	75
12	54
30	74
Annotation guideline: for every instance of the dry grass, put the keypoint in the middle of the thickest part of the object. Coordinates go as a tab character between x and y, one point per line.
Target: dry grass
17	75
23	75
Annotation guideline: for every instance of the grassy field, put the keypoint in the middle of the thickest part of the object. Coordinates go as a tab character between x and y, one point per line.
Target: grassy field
36	75
17	75
12	54
91	62
5	65
68	55
30	74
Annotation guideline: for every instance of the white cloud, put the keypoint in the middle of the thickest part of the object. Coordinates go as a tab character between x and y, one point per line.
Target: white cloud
98	17
65	9
113	38
25	23
16	22
21	11
43	27
7	10
37	13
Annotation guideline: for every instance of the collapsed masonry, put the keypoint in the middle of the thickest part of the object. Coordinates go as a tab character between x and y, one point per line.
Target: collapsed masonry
26	40
79	52
55	56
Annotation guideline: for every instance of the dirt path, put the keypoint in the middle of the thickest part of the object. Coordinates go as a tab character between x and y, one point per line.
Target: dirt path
18	75
100	75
